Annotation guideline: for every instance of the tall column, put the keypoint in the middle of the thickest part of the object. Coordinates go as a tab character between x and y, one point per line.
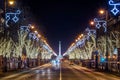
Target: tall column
59	48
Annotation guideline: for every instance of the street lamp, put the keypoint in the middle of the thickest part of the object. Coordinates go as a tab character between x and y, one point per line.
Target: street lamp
105	12
102	11
92	23
103	23
39	35
11	2
8	16
36	32
32	27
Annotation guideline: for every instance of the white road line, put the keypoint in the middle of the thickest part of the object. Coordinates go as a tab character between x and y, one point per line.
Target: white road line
60	72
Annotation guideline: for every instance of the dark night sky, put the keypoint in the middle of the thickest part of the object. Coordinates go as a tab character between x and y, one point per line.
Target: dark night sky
63	20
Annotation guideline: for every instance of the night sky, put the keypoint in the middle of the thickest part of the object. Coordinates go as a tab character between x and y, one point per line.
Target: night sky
63	20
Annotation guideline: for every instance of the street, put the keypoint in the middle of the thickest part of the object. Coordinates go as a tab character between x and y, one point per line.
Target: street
59	40
65	72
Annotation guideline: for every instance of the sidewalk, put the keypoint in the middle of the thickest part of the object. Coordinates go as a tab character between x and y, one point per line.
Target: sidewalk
99	70
11	72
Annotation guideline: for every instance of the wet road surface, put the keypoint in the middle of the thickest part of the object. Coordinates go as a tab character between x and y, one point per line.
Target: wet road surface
61	72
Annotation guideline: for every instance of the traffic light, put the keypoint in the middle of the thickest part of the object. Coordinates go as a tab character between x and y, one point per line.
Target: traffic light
118	54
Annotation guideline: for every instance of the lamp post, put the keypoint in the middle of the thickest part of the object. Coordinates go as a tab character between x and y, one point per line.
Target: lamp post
92	23
5	58
103	23
105	12
6	3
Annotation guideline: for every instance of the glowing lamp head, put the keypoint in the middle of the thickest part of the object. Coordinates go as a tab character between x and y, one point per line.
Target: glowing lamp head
92	23
36	32
72	44
32	27
11	2
76	40
39	35
102	11
81	35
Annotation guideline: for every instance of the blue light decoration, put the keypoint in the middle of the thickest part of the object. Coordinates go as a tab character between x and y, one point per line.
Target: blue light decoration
102	59
25	28
46	47
101	23
12	16
90	32
115	10
80	42
115	51
33	36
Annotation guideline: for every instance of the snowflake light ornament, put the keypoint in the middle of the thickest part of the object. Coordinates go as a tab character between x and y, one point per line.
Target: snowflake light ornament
115	10
90	32
101	23
25	28
12	16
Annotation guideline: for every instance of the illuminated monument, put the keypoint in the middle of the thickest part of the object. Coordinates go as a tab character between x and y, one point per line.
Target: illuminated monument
59	56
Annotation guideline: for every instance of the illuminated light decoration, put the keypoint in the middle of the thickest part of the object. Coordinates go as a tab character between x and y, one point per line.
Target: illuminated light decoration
90	32
71	48
47	48
12	16
33	36
37	39
36	32
115	10
98	25
25	28
115	51
39	35
102	59
80	42
44	46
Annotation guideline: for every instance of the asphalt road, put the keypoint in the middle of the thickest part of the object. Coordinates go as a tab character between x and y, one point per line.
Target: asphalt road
61	72
74	72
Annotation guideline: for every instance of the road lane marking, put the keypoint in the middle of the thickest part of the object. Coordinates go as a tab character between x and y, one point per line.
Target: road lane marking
60	72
